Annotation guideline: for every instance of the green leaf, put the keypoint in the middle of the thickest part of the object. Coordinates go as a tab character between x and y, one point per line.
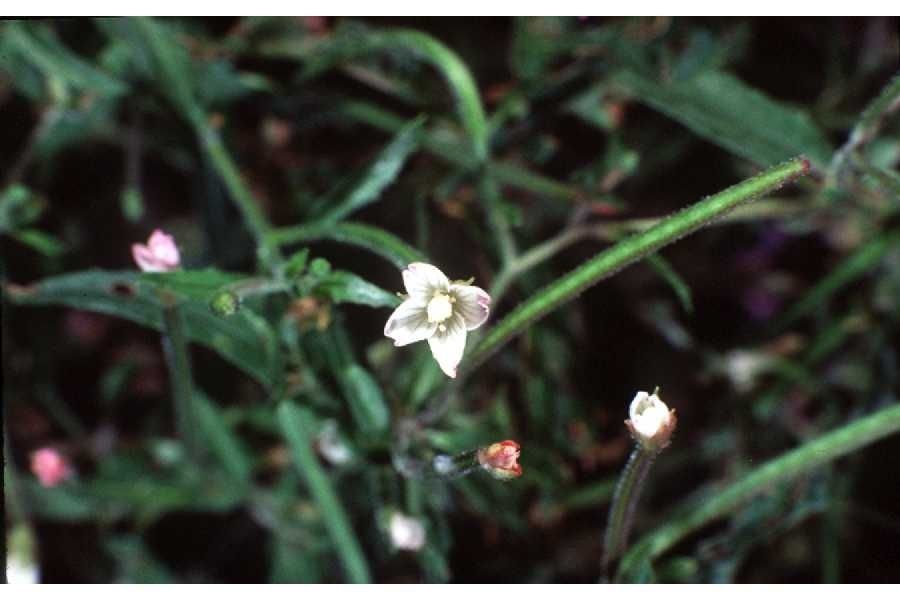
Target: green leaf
670	275
223	442
380	174
135	561
292	563
354	43
851	268
66	502
724	110
19	207
367	403
297	428
809	456
200	285
341	286
36	43
239	339
374	239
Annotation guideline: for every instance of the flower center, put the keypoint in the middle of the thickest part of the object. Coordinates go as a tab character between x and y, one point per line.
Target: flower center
440	307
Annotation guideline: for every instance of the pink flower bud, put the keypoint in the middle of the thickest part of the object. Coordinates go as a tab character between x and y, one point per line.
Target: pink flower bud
50	467
160	253
500	459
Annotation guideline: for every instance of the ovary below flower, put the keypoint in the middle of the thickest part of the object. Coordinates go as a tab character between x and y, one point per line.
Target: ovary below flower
650	421
160	254
439	311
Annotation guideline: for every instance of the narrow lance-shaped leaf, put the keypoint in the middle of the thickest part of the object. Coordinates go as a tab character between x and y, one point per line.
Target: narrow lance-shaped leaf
379	174
851	268
374	239
131	295
731	114
362	43
296	426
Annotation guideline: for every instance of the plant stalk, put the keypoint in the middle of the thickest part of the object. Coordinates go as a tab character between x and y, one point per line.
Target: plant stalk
178	362
813	454
631	250
625	501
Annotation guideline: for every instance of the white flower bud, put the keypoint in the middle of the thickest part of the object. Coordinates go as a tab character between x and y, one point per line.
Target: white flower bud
407	533
651	423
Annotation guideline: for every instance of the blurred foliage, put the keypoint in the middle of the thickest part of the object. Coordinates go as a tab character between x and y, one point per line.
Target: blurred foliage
300	162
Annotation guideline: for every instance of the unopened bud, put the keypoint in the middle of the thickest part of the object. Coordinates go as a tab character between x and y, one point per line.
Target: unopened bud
500	459
407	533
225	303
651	423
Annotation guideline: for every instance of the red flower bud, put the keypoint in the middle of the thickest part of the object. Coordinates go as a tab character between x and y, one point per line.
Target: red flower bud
500	459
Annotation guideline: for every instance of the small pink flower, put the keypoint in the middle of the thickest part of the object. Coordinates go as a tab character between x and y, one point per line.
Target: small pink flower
50	467
160	253
500	459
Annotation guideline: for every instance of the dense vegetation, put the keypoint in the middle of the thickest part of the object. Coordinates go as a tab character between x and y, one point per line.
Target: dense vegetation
244	417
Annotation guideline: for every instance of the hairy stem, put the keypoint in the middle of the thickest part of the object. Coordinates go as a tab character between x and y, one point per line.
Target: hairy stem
624	504
631	250
813	454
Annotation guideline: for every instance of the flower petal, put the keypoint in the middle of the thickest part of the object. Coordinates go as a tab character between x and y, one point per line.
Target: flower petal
473	303
145	259
448	346
637	405
163	247
409	323
422	280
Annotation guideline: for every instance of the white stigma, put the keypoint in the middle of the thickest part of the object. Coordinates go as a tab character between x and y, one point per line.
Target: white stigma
440	308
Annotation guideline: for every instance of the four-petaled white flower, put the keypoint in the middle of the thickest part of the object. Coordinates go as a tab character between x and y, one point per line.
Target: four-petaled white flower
650	421
439	311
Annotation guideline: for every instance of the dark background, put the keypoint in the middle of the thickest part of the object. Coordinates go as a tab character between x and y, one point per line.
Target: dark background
562	390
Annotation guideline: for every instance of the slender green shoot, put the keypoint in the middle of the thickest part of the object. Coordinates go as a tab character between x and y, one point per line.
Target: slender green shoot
178	361
296	426
820	451
631	250
624	504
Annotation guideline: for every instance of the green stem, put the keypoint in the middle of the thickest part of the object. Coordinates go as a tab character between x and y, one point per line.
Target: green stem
269	254
630	250
614	231
178	361
624	504
296	426
813	454
179	86
504	173
861	261
868	125
497	219
538	254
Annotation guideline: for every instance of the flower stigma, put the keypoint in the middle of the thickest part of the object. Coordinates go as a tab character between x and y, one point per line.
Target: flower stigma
440	307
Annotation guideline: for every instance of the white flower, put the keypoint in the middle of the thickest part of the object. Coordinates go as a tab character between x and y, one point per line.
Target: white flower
650	421
439	311
407	533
